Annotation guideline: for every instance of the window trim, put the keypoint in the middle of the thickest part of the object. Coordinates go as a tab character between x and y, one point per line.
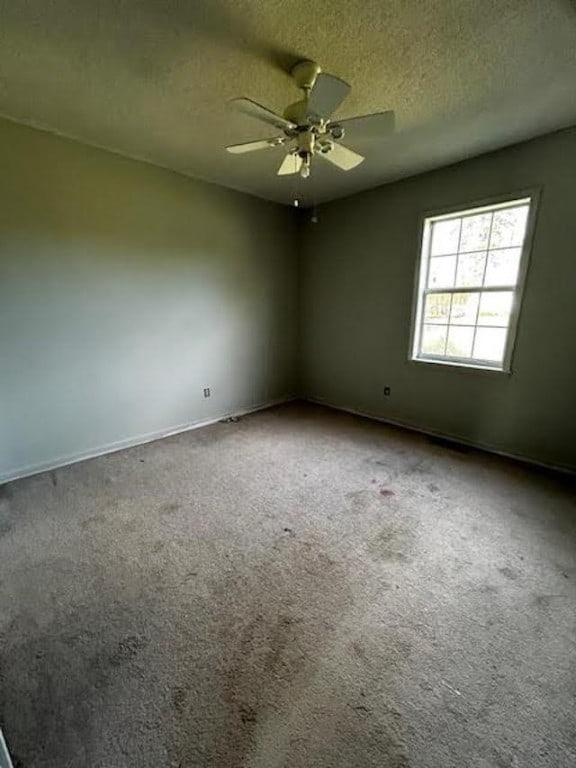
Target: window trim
531	195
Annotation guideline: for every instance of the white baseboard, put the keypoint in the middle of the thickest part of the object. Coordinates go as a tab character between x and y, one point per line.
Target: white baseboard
130	442
442	435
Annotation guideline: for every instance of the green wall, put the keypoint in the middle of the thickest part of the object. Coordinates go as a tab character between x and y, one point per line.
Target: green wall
125	290
358	267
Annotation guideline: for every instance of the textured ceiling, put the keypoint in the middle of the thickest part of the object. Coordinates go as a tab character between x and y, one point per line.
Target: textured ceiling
151	78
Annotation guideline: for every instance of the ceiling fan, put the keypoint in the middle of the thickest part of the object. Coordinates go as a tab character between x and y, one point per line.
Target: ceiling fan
308	130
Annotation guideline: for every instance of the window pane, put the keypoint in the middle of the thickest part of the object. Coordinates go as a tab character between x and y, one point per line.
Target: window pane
502	267
495	308
470	269
470	266
460	341
464	308
509	227
489	344
437	308
442	269
445	235
434	339
475	232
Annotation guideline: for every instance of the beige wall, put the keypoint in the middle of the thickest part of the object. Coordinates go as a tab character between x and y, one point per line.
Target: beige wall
358	267
124	291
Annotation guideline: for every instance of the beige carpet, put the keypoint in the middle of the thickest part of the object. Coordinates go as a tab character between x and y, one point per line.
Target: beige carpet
300	589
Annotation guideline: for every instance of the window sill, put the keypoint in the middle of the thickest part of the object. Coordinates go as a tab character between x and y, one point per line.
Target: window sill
460	366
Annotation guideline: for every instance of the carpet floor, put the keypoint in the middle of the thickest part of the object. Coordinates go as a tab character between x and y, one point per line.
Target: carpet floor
298	589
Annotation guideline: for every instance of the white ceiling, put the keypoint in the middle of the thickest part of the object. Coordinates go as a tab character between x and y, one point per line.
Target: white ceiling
151	78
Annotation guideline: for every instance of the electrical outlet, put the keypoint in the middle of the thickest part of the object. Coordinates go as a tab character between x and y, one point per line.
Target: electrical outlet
206	391
387	392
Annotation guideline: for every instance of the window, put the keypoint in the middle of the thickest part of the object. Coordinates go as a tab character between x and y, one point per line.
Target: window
469	288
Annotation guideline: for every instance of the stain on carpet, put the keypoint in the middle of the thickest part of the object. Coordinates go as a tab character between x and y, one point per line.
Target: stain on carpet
273	645
169	508
418	467
248	715
367	500
94	520
509	573
126	650
488	589
392	543
178	699
547	601
361	738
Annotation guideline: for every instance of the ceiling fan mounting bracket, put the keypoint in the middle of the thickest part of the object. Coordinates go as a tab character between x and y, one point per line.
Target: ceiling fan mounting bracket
305	73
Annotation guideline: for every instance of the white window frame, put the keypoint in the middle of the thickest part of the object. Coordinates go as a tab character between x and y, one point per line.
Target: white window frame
508	201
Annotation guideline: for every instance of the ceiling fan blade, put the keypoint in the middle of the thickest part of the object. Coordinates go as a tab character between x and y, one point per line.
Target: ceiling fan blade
252	146
326	95
251	108
291	164
342	157
375	126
